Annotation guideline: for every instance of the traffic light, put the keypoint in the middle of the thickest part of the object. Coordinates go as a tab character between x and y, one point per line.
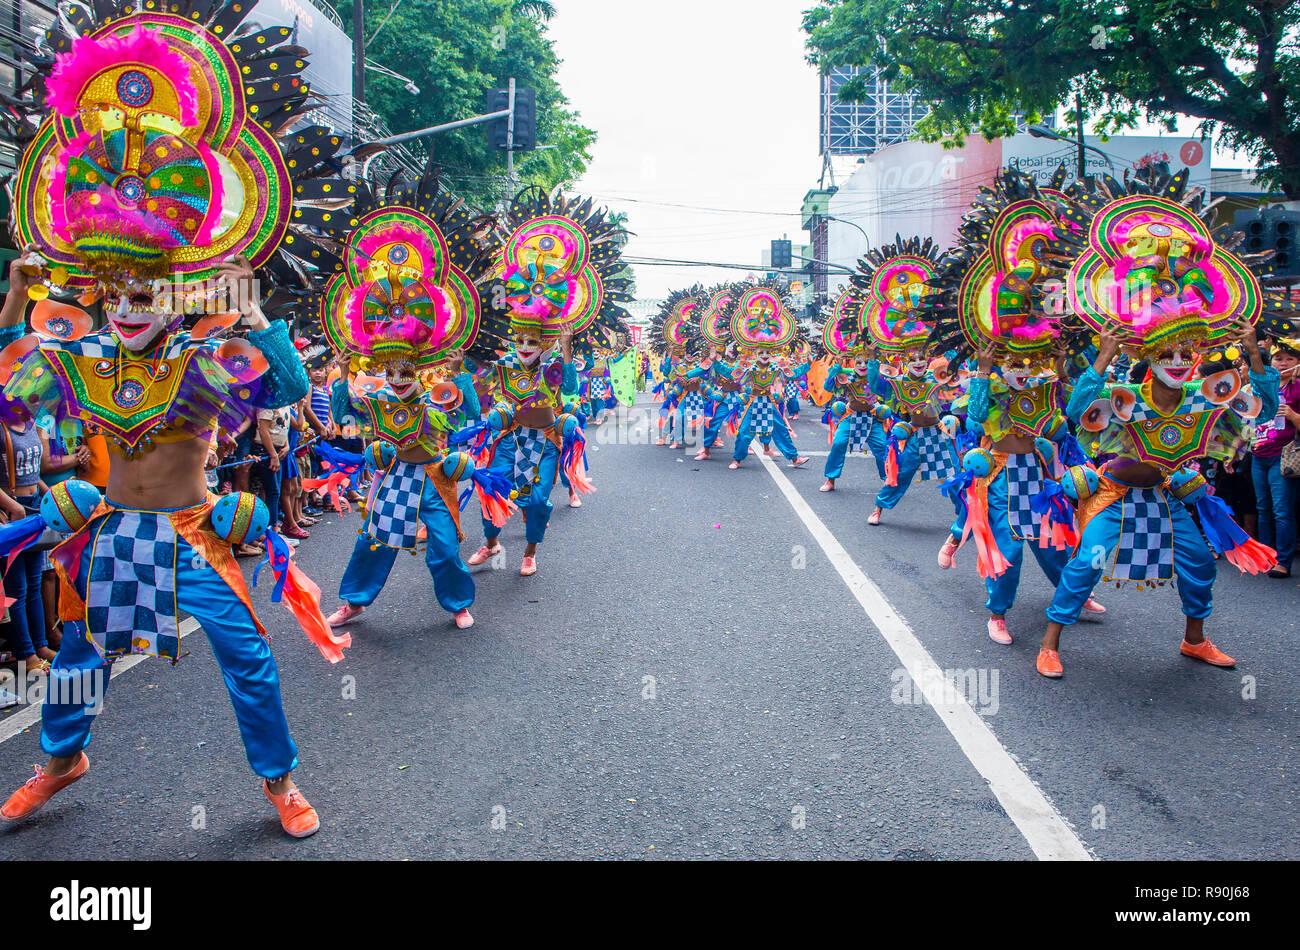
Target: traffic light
1272	229
781	254
498	130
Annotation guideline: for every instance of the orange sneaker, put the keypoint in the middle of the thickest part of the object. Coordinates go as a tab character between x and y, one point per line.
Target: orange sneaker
529	567
1049	664
297	818
39	789
483	553
1206	652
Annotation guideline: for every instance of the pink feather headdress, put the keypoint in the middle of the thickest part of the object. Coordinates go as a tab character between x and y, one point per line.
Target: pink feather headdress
89	57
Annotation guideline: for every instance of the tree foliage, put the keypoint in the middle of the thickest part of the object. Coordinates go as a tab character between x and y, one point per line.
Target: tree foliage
456	51
1233	64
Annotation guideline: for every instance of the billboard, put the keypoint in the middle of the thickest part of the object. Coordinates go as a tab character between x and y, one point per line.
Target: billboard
1042	157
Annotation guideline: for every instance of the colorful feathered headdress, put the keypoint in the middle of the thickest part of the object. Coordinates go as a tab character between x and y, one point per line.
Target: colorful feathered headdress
677	323
159	146
1001	283
894	281
409	290
560	267
715	318
843	331
761	318
1149	266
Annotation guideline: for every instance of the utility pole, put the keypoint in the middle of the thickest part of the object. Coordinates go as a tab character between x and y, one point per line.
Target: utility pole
1078	118
510	145
358	51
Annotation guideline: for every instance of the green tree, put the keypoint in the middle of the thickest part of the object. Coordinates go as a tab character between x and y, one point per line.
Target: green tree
1233	64
456	51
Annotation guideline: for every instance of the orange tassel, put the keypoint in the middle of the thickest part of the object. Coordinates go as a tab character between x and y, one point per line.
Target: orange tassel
1251	557
302	597
990	560
891	465
495	509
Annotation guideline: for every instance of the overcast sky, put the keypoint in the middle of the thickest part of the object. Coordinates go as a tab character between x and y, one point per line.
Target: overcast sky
701	103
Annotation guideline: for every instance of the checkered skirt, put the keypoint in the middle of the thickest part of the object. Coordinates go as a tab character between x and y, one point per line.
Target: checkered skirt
938	459
394	518
1024	476
131	588
792	389
859	424
694	403
762	417
1146	541
530	446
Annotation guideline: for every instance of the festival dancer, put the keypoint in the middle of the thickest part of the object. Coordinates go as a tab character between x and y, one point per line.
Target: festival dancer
859	422
762	326
989	299
894	281
1147	274
122	190
406	304
676	324
724	401
558	268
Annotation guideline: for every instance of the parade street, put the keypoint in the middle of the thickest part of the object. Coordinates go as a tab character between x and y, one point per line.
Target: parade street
710	663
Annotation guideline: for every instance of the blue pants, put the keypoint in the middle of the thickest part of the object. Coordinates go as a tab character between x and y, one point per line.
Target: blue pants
1002	590
909	461
1275	500
876	441
720	414
780	435
371	562
536	502
1193	564
792	405
242	653
26	628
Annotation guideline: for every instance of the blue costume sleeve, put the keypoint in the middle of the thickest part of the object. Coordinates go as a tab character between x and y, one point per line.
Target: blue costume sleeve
977	406
465	383
1267	386
285	381
722	370
341	405
569	384
1086	390
698	373
10	334
879	385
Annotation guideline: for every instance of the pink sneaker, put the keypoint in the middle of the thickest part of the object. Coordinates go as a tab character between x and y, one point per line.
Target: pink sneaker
948	552
345	614
529	567
828	486
734	464
677	445
483	553
799	462
875	517
717	443
575	501
998	630
770	452
463	619
703	456
1093	607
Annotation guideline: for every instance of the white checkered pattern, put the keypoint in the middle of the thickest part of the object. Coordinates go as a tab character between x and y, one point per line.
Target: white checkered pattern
600	387
1146	541
531	446
936	452
395	512
859	424
792	389
131	588
694	405
762	417
1024	481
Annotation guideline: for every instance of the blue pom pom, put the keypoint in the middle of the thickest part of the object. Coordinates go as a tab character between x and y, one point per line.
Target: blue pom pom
68	505
839	408
979	462
1080	482
1045	448
240	517
458	466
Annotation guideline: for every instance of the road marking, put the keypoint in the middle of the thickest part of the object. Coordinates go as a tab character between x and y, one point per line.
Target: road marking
1042	826
26	718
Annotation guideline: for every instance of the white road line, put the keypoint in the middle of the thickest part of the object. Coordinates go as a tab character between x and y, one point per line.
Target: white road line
1043	828
26	718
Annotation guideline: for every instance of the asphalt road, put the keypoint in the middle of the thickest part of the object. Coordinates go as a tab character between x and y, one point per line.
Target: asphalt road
689	675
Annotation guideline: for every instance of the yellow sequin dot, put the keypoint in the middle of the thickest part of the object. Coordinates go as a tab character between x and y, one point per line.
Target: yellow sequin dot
176	178
59	275
172	212
190	224
94	199
39	291
151	205
161	151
